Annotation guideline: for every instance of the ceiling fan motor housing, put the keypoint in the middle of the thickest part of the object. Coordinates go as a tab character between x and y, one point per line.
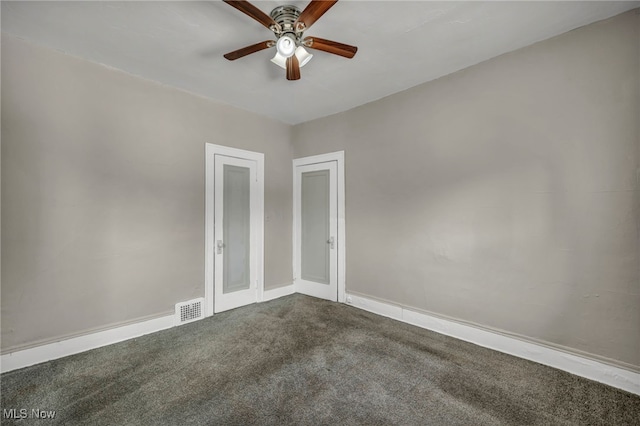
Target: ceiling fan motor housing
286	17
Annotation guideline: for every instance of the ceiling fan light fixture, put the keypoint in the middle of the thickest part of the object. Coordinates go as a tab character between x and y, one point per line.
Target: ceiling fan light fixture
303	56
286	46
301	53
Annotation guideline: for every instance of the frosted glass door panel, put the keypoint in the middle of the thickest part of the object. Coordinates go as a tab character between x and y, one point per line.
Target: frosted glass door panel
315	200
314	222
238	219
236	229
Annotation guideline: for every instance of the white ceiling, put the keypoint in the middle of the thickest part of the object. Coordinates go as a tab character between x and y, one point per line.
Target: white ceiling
400	44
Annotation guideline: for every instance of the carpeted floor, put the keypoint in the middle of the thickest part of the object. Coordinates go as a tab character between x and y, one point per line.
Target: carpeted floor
304	361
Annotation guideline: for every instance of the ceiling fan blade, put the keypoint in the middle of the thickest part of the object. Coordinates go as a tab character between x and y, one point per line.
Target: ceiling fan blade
248	9
236	54
312	13
293	68
330	46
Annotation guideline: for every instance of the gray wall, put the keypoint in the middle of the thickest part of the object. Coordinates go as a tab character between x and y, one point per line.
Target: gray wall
506	194
103	194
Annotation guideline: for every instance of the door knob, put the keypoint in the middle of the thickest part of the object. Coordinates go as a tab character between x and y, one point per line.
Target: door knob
330	241
220	246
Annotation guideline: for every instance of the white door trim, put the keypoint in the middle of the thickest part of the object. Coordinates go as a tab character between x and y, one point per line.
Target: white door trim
315	159
211	151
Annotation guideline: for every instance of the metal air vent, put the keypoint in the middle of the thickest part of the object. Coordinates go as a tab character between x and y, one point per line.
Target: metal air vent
189	311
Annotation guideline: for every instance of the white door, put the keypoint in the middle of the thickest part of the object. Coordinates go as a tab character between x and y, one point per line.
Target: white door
236	219
316	230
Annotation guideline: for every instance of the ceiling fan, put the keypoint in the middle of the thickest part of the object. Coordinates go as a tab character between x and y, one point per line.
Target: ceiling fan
288	24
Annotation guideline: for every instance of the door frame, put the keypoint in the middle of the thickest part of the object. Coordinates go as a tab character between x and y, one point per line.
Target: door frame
338	157
257	219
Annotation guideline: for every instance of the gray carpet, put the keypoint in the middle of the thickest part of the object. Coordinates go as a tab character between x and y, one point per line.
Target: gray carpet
304	361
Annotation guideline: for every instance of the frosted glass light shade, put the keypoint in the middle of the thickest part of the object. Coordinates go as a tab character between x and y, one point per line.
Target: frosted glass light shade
279	60
301	53
303	56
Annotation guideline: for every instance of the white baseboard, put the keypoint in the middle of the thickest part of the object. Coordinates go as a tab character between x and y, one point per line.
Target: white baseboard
278	292
50	351
74	345
574	364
